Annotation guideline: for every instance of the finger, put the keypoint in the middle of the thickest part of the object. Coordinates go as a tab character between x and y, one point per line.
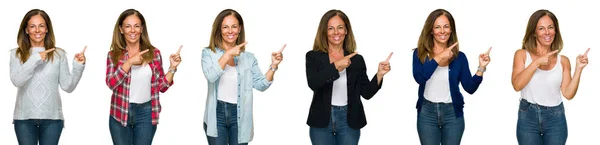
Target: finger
242	45
179	50
586	52
143	52
389	56
488	51
281	50
452	46
552	53
83	51
49	50
352	54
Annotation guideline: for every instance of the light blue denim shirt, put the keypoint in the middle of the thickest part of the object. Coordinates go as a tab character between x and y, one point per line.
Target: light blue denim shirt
249	76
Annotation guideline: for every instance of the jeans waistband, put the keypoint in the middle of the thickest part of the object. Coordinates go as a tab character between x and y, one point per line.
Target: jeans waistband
338	107
540	106
425	101
148	103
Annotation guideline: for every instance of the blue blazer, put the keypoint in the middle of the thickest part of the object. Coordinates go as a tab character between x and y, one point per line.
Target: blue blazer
459	72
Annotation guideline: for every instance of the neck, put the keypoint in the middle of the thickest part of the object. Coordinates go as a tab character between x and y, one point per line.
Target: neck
133	46
335	48
34	44
439	46
541	49
227	46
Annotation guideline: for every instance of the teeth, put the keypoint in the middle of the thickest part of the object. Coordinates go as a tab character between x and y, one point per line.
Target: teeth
336	38
230	36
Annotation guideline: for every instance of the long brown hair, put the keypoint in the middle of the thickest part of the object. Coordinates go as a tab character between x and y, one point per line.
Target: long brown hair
216	40
529	41
425	45
321	42
119	44
23	52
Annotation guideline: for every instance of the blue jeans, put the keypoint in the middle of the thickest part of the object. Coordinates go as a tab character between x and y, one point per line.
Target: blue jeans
227	126
139	129
337	132
30	131
438	124
540	125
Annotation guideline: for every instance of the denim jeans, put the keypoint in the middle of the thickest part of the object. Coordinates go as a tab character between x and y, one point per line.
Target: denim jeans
438	124
337	132
32	131
540	125
227	127
139	129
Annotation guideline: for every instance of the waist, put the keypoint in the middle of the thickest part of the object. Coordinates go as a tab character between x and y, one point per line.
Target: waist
524	101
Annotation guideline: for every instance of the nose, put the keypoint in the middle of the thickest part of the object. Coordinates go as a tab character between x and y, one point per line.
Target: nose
37	29
336	31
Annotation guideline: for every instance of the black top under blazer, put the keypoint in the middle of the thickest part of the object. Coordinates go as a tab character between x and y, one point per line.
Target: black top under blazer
320	75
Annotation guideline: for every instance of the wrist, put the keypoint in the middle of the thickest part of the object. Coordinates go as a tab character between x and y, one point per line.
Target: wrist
273	67
481	69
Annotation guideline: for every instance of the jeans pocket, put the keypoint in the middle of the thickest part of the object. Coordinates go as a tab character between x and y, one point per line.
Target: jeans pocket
558	110
523	107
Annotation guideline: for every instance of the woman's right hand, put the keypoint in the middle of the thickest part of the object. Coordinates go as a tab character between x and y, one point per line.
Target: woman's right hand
545	59
44	54
235	51
344	62
446	54
137	59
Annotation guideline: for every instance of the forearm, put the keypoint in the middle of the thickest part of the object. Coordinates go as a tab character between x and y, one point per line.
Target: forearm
571	89
223	60
269	75
522	79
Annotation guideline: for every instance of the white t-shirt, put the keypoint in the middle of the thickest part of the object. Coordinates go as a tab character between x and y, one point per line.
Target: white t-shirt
140	87
228	85
339	93
437	88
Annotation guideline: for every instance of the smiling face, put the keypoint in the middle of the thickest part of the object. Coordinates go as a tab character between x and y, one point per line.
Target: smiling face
336	31
441	30
131	29
230	30
545	31
36	29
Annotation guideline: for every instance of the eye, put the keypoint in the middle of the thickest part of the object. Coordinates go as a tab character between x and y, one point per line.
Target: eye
341	27
330	28
234	26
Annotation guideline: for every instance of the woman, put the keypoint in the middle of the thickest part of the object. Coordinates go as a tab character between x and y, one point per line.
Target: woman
135	74
541	75
438	68
232	73
37	68
338	77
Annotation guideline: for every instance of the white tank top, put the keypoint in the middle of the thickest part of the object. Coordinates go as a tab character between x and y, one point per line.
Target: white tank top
437	88
339	92
140	86
544	86
228	85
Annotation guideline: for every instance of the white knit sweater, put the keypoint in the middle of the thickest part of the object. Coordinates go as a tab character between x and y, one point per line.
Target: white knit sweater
37	82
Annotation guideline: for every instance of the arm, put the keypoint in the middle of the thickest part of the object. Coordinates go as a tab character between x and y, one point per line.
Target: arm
423	71
164	81
115	75
211	67
369	88
569	85
316	77
259	81
468	82
521	75
68	81
21	73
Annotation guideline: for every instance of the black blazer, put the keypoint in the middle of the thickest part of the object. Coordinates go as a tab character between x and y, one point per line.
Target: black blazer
321	74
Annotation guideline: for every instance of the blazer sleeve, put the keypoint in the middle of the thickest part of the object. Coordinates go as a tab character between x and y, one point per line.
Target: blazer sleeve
369	88
317	75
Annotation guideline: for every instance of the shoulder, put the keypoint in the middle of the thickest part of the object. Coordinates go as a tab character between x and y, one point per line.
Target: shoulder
156	51
314	53
247	54
520	52
462	56
564	59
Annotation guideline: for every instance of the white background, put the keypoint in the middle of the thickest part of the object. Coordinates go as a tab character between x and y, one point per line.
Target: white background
280	113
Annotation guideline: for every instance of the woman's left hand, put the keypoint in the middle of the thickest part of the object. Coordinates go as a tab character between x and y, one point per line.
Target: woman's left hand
277	57
582	60
384	66
175	58
484	58
80	57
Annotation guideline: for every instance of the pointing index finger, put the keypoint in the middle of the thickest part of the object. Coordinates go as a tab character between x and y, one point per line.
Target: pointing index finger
552	53
586	52
453	45
488	51
179	50
352	54
84	48
390	56
143	52
49	50
281	50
